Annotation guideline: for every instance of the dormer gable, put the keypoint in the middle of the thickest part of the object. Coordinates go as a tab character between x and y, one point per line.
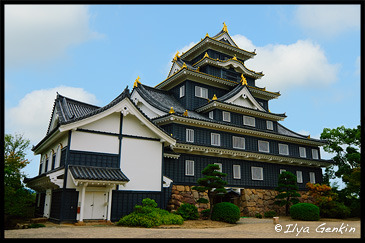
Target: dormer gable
241	96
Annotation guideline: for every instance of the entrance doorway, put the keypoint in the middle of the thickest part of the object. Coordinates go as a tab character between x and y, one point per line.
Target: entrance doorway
95	205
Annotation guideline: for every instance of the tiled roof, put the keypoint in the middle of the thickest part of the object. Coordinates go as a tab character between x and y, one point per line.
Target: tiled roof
163	101
97	173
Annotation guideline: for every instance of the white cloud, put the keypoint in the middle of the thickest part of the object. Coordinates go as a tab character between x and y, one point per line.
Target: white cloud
33	112
328	20
39	33
303	63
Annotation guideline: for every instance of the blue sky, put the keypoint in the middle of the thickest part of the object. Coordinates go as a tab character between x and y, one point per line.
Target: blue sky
310	53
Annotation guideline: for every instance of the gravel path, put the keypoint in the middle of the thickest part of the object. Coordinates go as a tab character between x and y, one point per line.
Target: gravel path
245	228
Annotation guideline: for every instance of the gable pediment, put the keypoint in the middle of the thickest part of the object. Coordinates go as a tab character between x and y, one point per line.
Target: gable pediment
244	98
224	37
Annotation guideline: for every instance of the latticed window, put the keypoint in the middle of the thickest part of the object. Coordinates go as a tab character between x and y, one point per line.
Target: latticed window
249	121
190	135
189	167
257	173
215	139
283	149
236	172
238	142
263	146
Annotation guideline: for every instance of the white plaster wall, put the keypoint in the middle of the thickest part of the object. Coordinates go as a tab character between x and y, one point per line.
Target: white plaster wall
85	141
110	123
133	126
141	162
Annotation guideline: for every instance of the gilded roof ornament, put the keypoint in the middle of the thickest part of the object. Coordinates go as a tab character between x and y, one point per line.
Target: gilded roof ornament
136	82
214	97
171	110
234	57
184	65
176	56
207	35
243	80
225	27
206	55
309	136
185	113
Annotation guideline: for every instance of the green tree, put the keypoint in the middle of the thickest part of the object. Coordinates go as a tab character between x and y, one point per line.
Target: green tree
345	143
287	188
211	182
18	201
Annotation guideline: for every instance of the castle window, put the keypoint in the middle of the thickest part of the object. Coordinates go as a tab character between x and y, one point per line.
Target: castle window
182	91
302	152
190	135
226	116
314	154
215	139
283	149
263	146
211	115
236	172
201	92
189	167
312	177
257	173
282	170
249	121
299	176
269	125
238	142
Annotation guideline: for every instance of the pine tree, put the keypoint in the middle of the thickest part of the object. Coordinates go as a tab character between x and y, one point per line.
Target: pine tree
287	188
211	182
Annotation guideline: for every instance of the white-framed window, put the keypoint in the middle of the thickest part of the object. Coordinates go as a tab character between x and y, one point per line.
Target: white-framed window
236	172
269	125
182	91
215	139
58	156
189	167
238	142
312	177
282	170
257	173
299	176
226	116
220	166
201	92
249	121
283	149
189	135
211	115
315	154
263	146
302	152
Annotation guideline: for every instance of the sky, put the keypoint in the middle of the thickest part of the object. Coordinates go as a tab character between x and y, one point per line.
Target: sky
310	53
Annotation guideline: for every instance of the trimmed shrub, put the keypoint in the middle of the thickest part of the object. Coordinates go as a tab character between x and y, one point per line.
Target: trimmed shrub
304	211
188	211
226	212
149	216
270	214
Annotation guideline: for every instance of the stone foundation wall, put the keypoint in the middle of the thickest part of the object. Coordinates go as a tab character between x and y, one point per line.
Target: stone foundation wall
250	202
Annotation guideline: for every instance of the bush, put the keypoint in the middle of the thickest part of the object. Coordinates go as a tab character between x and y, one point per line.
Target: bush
226	212
336	210
270	214
149	216
258	215
205	213
188	211
304	211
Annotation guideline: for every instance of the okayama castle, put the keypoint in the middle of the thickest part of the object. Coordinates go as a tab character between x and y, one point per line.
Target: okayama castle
98	162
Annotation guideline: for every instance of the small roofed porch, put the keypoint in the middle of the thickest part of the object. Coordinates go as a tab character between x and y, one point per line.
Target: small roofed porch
95	186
